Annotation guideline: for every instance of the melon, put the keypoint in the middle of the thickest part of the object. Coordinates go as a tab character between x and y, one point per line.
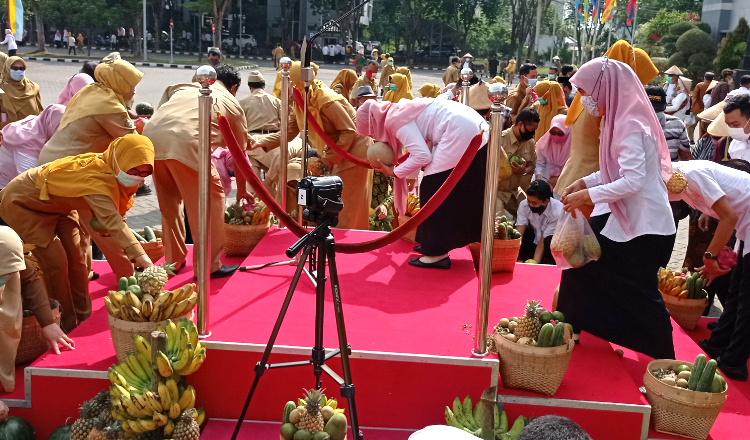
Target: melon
144	109
380	151
336	427
16	428
61	433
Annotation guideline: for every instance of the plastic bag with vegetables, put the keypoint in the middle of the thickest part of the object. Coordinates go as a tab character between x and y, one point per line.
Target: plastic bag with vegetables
574	243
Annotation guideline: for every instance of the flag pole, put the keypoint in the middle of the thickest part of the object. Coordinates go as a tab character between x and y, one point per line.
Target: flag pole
635	20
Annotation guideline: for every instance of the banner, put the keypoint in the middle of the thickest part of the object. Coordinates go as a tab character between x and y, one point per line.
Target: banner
15	18
608	7
631	11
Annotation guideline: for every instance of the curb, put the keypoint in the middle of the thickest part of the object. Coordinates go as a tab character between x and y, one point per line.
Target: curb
137	64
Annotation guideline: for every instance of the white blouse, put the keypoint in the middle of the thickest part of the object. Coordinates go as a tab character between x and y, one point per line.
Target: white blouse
640	188
450	126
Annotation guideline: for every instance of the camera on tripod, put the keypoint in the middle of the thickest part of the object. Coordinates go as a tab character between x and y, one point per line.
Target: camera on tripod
321	197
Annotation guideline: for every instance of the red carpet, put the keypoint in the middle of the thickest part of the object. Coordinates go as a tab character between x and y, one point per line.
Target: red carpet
223	429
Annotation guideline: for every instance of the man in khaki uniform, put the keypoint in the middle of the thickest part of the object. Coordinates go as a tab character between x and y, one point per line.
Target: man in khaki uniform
263	115
293	173
367	79
521	97
278	54
174	131
518	141
453	72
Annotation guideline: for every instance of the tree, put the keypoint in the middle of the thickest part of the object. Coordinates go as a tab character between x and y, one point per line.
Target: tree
36	7
732	47
695	52
669	40
86	14
465	16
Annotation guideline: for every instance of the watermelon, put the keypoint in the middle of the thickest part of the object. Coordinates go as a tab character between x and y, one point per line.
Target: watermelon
144	109
16	428
61	433
517	160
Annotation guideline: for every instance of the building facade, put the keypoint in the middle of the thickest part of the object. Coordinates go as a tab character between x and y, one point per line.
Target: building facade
723	15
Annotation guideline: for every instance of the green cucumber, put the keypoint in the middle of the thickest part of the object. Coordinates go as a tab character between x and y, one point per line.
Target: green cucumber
558	337
697	372
690	286
136	289
707	377
122	284
148	233
545	336
132	281
288	408
138	236
717	386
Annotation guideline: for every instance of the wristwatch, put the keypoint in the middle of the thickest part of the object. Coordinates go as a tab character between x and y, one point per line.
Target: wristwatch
709	256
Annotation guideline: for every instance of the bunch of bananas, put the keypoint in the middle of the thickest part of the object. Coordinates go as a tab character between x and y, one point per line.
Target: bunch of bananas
167	304
185	353
412	205
463	417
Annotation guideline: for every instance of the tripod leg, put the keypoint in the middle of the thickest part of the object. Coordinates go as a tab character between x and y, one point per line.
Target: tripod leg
260	367
347	389
318	352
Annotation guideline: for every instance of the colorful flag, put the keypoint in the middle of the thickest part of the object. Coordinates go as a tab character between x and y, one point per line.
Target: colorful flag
15	18
579	10
594	9
586	10
607	14
631	11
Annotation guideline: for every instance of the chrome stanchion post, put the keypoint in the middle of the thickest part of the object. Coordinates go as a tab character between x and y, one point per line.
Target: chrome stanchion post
466	75
497	93
308	75
206	75
285	64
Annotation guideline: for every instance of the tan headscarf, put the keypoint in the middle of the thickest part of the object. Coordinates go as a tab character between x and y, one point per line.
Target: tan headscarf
403	90
344	82
430	90
117	79
21	98
552	92
406	72
387	71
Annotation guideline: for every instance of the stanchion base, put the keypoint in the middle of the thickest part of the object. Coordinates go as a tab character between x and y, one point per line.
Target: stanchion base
205	336
474	353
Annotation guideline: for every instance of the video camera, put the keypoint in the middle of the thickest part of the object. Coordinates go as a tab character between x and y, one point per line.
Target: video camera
321	197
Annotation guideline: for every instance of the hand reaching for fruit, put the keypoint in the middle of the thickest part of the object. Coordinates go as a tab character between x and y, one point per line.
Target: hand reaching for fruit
576	200
54	335
711	270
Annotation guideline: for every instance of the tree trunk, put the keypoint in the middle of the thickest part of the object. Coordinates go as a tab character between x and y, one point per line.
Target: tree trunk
39	28
159	20
220	7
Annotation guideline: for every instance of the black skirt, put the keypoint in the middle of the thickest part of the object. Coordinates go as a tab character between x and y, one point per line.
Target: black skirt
458	220
617	297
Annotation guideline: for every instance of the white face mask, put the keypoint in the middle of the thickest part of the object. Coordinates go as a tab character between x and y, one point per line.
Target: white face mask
124	178
739	133
18	75
590	105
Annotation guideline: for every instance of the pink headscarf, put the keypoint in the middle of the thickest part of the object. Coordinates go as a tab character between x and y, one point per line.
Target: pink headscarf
556	149
29	135
616	88
76	83
381	121
224	162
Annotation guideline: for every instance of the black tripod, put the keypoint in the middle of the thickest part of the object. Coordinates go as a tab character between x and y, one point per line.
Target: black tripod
318	245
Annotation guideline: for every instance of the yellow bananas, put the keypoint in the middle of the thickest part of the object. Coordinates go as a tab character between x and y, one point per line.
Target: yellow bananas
127	306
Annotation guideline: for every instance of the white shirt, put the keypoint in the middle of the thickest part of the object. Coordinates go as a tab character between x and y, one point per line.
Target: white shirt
675	105
670	91
640	188
708	182
544	224
10	40
325	51
441	432
450	126
545	166
71	41
739	149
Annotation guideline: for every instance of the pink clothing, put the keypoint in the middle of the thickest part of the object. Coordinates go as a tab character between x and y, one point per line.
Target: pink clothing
75	84
627	109
555	149
29	135
224	162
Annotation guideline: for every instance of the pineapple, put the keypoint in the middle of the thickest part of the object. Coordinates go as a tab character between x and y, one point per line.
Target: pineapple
83	426
153	279
186	427
312	419
115	432
101	423
529	325
677	183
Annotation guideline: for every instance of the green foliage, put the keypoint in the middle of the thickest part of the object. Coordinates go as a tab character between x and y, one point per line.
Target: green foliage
490	38
661	63
661	23
695	52
732	47
648	9
705	27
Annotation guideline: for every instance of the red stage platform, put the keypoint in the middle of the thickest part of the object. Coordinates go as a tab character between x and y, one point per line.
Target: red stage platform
411	336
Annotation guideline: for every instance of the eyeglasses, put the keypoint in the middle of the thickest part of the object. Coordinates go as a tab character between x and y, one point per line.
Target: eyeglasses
21	68
139	173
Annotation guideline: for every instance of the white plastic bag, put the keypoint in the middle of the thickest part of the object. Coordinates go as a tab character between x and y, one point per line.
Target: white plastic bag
574	243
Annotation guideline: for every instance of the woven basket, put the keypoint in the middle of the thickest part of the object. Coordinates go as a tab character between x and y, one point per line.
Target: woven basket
504	254
122	333
33	344
410	236
154	249
679	411
240	240
532	368
685	312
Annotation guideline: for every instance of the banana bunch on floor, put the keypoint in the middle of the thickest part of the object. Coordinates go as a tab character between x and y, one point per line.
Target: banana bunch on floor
412	205
185	353
463	417
127	305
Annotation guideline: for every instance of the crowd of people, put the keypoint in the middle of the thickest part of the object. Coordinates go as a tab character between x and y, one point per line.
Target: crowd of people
594	141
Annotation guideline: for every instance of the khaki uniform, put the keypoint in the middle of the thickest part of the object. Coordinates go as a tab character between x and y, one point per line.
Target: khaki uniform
452	75
92	134
339	124
294	173
263	114
517	100
278	54
510	191
53	227
363	81
584	151
174	131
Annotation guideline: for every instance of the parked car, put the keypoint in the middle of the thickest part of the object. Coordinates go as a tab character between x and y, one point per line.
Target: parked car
437	51
242	39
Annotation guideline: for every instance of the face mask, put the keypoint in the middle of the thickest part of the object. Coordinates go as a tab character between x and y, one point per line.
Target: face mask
669	79
543	101
124	178
532	82
661	116
393	87
17	75
526	135
3	280
551	76
369	74
390	63
538	209
590	105
739	133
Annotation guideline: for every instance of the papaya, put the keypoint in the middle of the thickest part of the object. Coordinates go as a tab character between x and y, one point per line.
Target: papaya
122	284
716	385
545	336
558	336
148	233
697	372
707	377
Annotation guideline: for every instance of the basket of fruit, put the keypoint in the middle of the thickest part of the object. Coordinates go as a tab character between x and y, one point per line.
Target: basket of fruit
32	343
684	296
150	241
412	207
685	398
505	247
140	305
534	349
313	417
244	226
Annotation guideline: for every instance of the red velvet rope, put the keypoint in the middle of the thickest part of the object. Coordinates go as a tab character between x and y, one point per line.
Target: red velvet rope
242	164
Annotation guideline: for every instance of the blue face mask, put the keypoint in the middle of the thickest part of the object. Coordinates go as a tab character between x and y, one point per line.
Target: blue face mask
390	63
532	82
551	76
393	87
543	101
17	75
661	116
3	280
669	79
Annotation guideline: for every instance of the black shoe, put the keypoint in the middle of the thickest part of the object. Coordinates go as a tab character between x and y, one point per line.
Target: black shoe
445	263
225	271
711	351
712	325
143	191
94	276
418	248
734	373
177	270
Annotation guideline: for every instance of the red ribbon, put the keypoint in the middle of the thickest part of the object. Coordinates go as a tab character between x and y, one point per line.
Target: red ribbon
242	164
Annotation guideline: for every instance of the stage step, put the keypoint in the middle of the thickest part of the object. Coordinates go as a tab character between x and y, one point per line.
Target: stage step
254	430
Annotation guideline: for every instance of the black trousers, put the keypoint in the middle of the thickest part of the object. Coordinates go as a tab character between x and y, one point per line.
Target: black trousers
528	247
733	329
12	53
